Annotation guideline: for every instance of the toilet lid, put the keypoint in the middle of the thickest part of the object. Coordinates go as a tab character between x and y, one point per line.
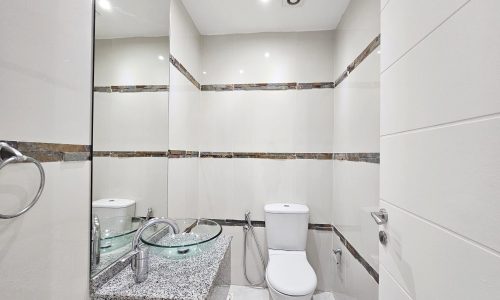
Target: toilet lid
291	275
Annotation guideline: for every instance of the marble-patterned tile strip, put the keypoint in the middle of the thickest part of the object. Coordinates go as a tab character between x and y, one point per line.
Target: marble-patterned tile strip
265	86
373	158
51	152
341	78
257	223
367	51
183	154
216	154
315	85
373	273
184	72
132	88
130	154
217	87
360	58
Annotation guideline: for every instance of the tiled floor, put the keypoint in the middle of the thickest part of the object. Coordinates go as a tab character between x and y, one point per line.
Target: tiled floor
237	292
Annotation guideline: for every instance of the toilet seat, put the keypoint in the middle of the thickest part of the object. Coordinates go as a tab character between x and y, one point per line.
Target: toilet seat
289	273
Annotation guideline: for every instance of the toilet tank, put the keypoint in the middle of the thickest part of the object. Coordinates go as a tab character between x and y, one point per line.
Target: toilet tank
115	215
113	207
286	226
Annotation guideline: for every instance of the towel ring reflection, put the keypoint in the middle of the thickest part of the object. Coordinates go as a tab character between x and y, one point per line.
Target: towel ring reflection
18	157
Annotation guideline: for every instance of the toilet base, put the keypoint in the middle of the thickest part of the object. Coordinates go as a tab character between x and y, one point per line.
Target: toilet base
275	295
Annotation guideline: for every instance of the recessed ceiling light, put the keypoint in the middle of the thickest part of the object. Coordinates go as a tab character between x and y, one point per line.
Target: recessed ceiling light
264	1
242	71
266	55
104	4
204	72
160	57
378	52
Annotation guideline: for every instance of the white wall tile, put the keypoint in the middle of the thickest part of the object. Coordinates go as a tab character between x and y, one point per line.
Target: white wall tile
320	257
390	289
357	109
458	180
44	254
131	61
431	263
45	71
292	57
404	23
359	25
352	280
229	188
143	179
186	40
273	121
183	187
449	76
131	121
184	109
355	195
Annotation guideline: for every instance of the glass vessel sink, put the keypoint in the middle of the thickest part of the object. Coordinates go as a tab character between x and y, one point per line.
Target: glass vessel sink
195	236
117	232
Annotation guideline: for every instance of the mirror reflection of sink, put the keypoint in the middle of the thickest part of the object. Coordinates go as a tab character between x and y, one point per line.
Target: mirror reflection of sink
117	232
195	237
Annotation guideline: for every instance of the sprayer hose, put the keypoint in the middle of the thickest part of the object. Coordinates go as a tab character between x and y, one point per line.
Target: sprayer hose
247	229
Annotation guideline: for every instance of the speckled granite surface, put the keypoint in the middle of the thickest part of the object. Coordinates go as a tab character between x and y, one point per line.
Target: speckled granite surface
190	278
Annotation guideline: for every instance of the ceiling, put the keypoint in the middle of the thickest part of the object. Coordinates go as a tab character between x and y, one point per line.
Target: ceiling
132	18
251	16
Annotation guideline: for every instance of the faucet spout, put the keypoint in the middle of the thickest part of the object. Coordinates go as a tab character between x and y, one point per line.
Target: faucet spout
140	258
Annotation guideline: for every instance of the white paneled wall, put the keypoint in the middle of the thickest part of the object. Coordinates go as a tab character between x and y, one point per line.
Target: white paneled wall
131	61
45	87
184	113
267	121
268	57
143	179
439	145
356	130
131	121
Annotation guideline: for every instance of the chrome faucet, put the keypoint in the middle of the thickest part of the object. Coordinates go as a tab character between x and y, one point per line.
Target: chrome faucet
95	255
140	257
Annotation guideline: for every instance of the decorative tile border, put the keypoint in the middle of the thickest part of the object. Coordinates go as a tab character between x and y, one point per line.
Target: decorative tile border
184	71
129	154
356	255
364	54
373	158
183	154
233	222
267	155
131	88
279	86
51	152
267	86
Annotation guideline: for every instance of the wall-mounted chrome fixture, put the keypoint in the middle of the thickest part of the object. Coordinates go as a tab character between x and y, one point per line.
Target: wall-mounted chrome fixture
8	155
338	255
95	256
381	217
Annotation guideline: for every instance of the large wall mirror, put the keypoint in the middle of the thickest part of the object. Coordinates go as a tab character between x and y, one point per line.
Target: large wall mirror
130	121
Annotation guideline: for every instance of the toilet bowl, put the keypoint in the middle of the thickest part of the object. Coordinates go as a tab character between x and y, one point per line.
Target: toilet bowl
288	274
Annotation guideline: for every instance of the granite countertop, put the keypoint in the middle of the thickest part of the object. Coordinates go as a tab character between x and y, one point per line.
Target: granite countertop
189	278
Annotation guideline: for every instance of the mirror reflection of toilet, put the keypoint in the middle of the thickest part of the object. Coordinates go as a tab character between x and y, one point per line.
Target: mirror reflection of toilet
288	275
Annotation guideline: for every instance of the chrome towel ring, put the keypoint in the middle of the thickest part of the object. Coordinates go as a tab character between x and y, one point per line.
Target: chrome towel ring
18	157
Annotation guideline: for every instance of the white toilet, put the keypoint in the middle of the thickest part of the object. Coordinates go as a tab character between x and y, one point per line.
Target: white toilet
115	215
288	275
